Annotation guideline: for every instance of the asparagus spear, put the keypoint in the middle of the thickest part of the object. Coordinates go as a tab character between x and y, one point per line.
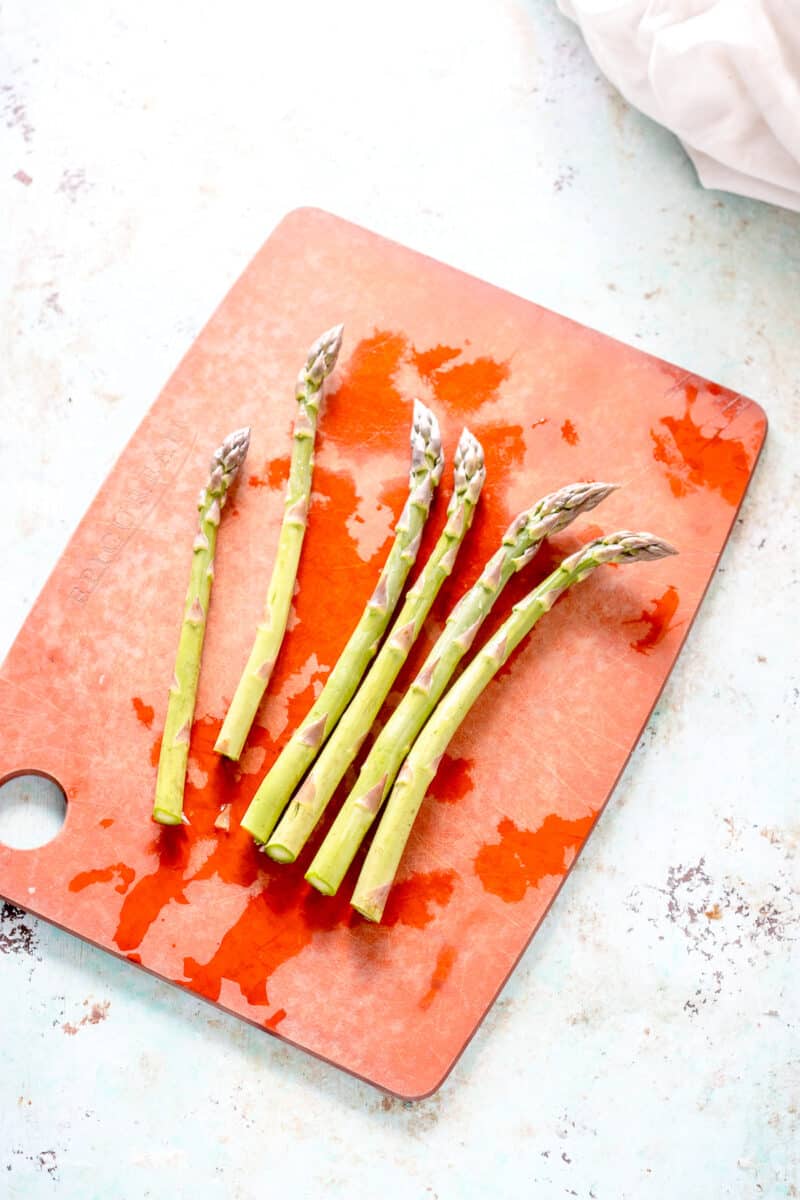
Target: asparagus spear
168	807
521	541
307	740
319	363
341	748
380	865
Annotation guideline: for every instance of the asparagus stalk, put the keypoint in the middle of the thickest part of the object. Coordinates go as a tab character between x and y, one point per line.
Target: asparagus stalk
380	865
521	541
270	633
170	782
307	740
341	748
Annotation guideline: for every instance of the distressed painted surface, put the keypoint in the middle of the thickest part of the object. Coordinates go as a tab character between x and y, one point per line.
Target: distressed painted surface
601	219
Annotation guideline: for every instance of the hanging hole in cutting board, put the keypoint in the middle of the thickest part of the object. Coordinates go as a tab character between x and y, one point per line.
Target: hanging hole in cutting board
33	808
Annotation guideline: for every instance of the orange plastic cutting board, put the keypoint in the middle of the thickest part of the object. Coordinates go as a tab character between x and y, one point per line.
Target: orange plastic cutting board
83	691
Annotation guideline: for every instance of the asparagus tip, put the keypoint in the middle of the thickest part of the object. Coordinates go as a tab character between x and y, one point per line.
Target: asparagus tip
624	546
640	547
469	451
558	509
330	343
469	466
322	356
585	496
426	442
228	458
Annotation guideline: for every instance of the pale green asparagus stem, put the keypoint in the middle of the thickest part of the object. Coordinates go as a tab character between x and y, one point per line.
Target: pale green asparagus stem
310	801
521	541
270	633
307	740
168	807
380	865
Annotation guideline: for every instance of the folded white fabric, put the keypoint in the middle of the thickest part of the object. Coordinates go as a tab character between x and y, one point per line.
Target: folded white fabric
724	75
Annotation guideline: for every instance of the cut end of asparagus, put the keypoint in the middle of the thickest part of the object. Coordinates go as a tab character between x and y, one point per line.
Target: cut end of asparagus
320	884
426	444
281	854
223	746
256	833
372	904
163	817
367	913
322	357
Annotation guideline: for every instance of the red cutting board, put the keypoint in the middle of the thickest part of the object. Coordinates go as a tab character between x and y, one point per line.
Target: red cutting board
83	691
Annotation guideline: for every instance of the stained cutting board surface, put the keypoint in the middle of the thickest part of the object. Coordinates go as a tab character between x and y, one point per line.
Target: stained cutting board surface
83	690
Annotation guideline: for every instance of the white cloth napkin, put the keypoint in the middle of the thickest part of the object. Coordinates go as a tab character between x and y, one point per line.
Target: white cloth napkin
724	75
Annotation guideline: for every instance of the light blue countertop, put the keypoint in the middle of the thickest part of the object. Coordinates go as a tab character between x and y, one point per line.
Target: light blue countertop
642	1048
